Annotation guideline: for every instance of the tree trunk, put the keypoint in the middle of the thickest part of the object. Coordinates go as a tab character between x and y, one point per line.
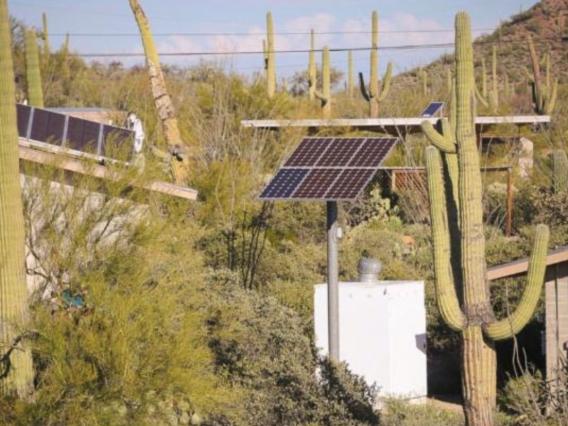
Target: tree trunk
162	100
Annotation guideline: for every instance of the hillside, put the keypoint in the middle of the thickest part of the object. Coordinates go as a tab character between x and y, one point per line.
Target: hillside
546	22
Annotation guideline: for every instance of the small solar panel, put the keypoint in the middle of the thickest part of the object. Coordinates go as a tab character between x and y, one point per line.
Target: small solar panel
373	152
339	152
433	109
329	168
316	184
350	184
284	183
308	152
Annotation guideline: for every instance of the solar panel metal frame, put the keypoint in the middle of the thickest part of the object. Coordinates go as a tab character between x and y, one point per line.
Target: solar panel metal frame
335	185
433	108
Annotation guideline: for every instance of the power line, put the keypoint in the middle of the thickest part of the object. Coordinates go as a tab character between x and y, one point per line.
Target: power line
259	52
249	34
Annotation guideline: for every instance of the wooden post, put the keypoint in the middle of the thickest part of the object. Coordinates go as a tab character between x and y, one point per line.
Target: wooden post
509	214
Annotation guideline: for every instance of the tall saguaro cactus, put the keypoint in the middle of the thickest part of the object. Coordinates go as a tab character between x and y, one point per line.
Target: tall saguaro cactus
312	69
462	290
270	57
350	74
325	95
162	100
33	72
544	93
45	38
372	94
16	371
494	95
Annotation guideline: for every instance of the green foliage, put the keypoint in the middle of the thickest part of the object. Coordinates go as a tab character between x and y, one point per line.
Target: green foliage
261	347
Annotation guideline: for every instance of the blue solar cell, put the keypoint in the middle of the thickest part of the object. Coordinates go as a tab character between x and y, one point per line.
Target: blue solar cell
308	152
432	109
284	183
373	152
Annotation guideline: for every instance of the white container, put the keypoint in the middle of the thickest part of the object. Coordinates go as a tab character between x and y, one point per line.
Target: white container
382	334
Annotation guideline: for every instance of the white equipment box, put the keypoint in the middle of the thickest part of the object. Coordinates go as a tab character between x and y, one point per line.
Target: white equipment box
382	334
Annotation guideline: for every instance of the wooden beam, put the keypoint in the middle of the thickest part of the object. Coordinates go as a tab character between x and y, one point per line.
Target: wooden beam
521	266
389	123
80	167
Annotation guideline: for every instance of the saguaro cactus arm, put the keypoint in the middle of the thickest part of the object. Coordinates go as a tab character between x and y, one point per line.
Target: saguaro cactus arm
559	170
444	141
312	69
446	296
364	92
386	82
325	95
33	72
508	327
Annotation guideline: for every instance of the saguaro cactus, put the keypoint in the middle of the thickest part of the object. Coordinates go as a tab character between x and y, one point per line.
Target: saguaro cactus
164	106
372	94
560	170
494	95
270	59
33	73
45	38
350	75
325	95
312	69
16	371
424	79
543	93
462	290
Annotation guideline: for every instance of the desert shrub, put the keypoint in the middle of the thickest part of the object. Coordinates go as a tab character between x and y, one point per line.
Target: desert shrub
119	335
400	413
261	347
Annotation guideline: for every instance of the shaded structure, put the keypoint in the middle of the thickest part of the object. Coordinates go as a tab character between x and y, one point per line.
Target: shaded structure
556	305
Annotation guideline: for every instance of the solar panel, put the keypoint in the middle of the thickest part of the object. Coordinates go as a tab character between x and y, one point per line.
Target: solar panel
350	184
70	132
339	152
309	151
316	184
373	152
284	183
433	109
329	169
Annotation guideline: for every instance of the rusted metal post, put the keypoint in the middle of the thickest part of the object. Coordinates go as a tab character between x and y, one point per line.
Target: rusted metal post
509	218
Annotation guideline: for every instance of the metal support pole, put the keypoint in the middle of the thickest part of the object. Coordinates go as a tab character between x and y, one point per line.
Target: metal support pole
332	281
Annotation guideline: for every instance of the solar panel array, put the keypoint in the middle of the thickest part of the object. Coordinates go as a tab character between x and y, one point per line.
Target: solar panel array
329	169
433	109
71	132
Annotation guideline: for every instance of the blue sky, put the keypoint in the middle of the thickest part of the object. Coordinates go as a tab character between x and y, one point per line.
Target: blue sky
397	17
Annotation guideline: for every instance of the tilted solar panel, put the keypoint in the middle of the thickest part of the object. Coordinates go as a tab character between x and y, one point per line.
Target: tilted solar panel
339	152
350	184
284	183
373	152
316	183
74	133
432	109
329	169
308	152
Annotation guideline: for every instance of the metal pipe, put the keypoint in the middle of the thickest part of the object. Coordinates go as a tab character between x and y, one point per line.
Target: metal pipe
332	281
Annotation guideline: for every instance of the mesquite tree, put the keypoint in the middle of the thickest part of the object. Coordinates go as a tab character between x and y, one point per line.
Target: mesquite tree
462	290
